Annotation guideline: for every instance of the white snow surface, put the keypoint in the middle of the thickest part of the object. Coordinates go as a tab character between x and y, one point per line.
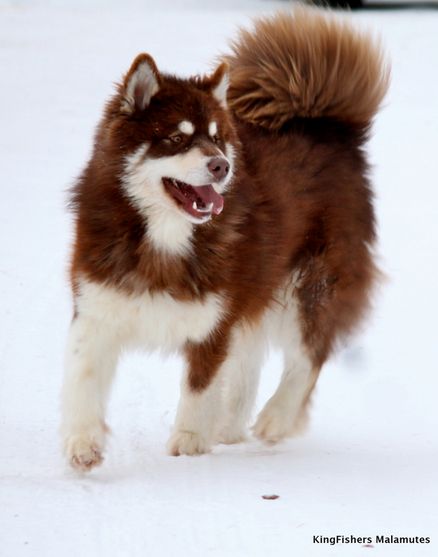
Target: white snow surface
367	466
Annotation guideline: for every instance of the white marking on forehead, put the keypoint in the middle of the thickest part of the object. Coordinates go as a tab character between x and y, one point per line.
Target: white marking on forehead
212	129
186	127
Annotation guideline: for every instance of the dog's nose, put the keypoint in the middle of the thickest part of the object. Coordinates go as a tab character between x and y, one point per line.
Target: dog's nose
218	167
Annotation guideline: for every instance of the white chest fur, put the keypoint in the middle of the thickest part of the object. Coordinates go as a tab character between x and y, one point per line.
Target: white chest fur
149	320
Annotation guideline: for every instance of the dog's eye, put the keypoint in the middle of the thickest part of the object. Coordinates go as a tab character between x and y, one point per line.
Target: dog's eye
216	138
176	138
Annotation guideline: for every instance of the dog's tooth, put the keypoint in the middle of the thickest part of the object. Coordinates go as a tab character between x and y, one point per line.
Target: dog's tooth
207	209
195	205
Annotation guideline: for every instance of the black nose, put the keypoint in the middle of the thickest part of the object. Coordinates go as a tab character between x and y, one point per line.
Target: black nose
218	167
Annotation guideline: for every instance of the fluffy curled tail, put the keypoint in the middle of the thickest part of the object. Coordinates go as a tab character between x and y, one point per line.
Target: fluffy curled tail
305	64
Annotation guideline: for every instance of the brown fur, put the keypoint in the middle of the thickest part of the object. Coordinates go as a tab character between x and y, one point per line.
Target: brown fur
296	65
300	202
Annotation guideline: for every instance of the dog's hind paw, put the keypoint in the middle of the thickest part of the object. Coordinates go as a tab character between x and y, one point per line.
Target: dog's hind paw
230	436
187	443
273	424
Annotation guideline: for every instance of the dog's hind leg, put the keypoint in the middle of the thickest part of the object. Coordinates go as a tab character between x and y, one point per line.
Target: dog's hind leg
91	360
321	305
285	412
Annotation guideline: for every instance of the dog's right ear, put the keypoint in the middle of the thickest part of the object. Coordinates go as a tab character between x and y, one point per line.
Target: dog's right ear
141	83
219	82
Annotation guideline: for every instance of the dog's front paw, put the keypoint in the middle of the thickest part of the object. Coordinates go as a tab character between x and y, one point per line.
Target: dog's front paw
190	443
83	452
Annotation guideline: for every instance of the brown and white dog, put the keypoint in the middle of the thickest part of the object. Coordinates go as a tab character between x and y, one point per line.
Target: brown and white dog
218	214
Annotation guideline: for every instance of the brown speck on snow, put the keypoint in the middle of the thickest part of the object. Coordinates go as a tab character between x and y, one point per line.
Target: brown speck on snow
270	497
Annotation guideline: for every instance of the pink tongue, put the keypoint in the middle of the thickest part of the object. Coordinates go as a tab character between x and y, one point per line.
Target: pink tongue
209	195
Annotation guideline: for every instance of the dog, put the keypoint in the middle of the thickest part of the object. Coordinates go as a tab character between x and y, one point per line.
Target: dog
222	213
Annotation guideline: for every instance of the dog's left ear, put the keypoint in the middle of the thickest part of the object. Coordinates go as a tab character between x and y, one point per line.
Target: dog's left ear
141	83
219	82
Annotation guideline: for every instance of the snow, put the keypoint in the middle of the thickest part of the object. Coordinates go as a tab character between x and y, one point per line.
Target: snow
366	467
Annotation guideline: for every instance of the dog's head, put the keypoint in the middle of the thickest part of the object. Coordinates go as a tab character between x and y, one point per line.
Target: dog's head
177	142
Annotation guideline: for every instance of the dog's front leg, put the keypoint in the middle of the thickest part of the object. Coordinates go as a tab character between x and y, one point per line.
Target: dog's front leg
90	364
199	414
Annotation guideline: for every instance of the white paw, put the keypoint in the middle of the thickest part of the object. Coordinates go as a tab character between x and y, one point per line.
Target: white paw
187	443
273	423
232	436
84	451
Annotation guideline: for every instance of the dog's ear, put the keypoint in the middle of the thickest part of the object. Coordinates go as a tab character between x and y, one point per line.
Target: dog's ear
141	83
219	84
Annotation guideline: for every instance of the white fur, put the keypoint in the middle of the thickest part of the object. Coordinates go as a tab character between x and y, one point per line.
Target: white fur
149	320
169	228
108	321
137	157
145	79
90	363
186	127
220	91
212	129
241	373
169	232
282	414
189	167
221	412
196	423
207	417
203	419
166	228
230	154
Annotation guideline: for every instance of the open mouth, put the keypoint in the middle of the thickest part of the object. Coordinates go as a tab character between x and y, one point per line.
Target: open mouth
198	201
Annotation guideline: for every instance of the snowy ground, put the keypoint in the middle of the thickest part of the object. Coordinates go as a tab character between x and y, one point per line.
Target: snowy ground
368	464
